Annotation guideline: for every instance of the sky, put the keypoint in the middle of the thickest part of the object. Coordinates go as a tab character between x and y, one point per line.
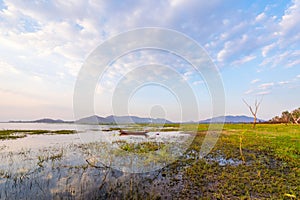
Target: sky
44	43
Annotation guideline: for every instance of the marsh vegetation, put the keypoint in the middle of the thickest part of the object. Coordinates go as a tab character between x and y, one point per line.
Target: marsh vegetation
14	134
245	163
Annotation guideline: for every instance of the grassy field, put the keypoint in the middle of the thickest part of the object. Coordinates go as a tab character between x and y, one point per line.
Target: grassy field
267	163
245	163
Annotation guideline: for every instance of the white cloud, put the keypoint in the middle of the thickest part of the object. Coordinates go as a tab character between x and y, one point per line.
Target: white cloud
72	30
276	60
283	82
249	91
250	35
289	22
256	92
284	47
198	82
267	49
12	98
244	60
7	68
255	81
260	17
48	41
232	47
73	67
265	86
187	75
293	63
298	76
263	93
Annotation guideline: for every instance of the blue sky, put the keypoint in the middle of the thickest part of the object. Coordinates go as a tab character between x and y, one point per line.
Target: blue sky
43	44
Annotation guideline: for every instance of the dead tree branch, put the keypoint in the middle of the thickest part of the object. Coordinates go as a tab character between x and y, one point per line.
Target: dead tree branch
254	110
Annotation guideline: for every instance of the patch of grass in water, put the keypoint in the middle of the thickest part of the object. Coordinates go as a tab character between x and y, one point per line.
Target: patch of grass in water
15	134
52	157
63	132
143	147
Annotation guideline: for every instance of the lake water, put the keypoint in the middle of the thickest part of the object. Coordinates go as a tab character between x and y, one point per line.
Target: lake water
40	141
88	164
40	126
85	134
106	146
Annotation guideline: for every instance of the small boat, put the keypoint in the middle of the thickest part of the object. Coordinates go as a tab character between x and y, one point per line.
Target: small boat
142	133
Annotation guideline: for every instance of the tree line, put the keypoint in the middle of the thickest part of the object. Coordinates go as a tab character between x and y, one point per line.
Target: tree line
287	117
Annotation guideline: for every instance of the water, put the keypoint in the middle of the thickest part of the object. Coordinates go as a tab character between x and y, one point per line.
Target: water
35	142
91	165
42	126
85	134
55	166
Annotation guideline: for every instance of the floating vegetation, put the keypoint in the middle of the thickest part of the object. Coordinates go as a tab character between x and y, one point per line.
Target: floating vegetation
142	147
15	134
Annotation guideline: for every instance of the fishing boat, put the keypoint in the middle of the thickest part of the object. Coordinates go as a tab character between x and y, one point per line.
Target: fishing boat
141	133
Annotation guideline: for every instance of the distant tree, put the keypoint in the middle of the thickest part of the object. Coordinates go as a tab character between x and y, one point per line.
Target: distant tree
295	115
276	119
254	110
286	117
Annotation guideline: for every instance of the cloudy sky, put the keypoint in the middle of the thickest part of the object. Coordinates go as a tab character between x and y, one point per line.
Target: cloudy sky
43	44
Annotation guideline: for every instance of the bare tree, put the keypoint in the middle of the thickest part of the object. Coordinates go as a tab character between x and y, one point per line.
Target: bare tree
254	110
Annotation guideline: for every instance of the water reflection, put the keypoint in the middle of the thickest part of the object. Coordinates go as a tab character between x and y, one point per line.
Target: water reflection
56	166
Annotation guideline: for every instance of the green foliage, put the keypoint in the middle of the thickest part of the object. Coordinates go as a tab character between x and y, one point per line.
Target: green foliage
15	134
143	147
288	117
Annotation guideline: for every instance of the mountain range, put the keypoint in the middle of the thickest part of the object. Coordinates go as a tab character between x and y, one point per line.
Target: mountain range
142	120
230	119
44	120
121	119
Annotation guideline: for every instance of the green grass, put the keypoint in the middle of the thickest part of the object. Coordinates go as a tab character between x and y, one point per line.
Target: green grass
15	134
143	147
276	140
148	127
271	169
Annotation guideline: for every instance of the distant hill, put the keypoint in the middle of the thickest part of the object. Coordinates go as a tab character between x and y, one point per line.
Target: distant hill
141	120
45	120
93	120
230	119
120	119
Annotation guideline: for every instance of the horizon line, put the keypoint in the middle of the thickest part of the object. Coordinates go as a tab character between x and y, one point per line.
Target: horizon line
73	120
